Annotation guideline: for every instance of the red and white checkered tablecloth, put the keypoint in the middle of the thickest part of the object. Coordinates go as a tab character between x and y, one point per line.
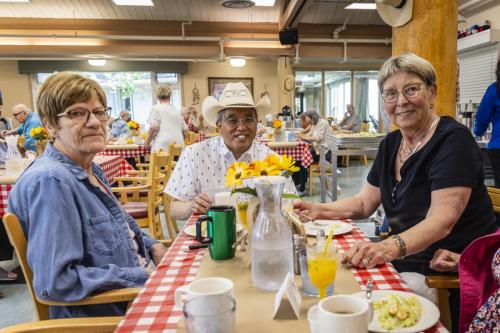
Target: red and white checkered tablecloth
113	166
4	194
384	277
300	153
140	151
201	136
153	310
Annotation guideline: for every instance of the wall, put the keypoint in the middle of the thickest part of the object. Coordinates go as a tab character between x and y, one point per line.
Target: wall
15	87
264	73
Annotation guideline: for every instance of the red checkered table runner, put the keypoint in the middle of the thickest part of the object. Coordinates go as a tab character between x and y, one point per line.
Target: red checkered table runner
138	152
4	194
153	310
300	153
113	166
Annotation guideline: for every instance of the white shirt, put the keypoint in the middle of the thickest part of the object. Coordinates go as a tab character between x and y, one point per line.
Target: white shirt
319	132
170	123
203	167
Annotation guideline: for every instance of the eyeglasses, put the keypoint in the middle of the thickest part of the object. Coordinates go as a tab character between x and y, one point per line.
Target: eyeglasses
18	114
247	121
409	91
82	116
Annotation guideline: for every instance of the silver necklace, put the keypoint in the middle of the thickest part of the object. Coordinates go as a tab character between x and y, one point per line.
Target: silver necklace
412	151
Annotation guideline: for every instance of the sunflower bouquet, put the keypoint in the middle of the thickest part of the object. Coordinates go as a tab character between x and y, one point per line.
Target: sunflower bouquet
39	133
272	165
277	124
133	125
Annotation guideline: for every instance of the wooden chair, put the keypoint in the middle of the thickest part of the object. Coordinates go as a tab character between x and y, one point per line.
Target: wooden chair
442	284
314	171
20	244
191	138
80	325
494	194
174	151
146	212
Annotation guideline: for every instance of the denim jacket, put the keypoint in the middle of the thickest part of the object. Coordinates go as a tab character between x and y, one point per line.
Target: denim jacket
78	240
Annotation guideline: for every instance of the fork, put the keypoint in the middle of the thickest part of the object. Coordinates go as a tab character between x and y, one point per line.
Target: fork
369	288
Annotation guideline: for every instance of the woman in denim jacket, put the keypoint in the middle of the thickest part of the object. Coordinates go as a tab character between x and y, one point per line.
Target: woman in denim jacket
80	240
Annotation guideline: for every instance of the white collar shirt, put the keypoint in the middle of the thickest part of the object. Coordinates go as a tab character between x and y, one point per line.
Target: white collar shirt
202	168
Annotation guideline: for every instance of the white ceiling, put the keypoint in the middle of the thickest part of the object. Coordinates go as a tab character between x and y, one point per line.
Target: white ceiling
320	11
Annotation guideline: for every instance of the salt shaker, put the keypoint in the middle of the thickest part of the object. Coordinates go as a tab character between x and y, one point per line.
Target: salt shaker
299	247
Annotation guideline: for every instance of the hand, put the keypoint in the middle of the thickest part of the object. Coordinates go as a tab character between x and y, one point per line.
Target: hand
158	251
201	203
369	255
445	261
147	145
306	209
4	133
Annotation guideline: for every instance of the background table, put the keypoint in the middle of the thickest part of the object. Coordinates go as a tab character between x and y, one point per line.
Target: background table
131	150
154	310
113	166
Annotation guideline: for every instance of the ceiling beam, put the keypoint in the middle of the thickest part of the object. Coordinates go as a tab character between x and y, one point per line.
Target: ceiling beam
293	13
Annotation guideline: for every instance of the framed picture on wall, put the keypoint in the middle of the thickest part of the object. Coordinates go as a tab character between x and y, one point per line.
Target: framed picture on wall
217	84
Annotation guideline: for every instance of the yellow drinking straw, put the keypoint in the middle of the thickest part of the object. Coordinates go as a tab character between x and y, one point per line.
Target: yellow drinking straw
328	240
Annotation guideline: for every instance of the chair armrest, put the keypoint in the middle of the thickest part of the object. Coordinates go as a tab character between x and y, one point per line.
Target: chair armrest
89	324
442	281
138	172
111	296
130	189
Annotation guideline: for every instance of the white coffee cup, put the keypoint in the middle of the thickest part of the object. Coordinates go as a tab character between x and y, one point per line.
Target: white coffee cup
204	287
344	313
224	198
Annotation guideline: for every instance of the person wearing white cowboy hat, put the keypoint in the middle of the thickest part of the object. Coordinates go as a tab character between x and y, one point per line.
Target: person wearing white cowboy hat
200	171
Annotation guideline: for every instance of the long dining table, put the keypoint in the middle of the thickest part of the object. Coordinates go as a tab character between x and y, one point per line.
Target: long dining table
154	309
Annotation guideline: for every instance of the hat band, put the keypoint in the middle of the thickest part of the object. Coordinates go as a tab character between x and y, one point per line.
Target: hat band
401	5
238	104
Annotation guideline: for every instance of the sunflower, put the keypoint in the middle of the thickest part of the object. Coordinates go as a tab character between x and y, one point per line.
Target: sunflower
288	164
236	173
277	123
263	168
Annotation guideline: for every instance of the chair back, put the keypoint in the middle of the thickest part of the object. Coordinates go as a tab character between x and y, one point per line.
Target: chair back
174	151
192	138
494	194
20	244
157	179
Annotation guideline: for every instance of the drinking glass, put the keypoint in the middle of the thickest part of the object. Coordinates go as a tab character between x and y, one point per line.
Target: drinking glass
322	267
217	318
242	202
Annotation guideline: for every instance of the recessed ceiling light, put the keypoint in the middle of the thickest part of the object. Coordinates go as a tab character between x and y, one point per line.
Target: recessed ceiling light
14	0
237	61
264	3
97	62
133	2
357	5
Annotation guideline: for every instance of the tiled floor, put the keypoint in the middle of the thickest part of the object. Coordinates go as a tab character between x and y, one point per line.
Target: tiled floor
16	306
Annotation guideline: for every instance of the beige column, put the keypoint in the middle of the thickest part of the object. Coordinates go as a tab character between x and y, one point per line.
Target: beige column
286	83
432	34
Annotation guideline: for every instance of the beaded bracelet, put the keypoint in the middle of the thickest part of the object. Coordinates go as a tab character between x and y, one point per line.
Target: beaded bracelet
401	245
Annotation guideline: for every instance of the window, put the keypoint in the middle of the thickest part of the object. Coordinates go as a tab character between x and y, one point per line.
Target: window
337	93
308	91
366	96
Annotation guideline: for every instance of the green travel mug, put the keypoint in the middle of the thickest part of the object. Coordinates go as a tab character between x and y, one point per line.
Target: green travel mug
221	231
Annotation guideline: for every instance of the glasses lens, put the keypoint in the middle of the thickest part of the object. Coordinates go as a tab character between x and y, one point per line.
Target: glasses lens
78	115
101	113
412	90
390	95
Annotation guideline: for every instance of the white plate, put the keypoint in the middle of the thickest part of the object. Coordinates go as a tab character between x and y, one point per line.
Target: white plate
191	230
340	227
428	318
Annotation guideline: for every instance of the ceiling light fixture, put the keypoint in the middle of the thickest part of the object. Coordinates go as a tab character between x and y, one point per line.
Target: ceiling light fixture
237	61
133	2
14	0
97	62
264	3
237	4
358	5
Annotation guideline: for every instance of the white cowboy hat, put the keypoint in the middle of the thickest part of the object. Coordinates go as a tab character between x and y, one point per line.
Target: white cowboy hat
234	95
395	12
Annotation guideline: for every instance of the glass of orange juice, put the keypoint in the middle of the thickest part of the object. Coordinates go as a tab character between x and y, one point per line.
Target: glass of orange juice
242	202
322	266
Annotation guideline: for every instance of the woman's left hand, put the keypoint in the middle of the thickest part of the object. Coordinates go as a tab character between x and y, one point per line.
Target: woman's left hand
369	254
158	250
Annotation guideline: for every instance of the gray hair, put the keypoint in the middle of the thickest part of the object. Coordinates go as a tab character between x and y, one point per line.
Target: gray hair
410	63
124	112
313	115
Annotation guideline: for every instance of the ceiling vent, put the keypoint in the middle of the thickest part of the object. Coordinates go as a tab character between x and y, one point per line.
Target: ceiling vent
237	4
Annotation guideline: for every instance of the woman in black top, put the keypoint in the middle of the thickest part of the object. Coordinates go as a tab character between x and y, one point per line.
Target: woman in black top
427	175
